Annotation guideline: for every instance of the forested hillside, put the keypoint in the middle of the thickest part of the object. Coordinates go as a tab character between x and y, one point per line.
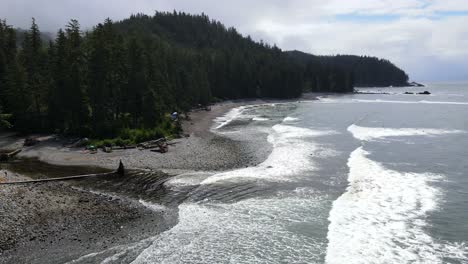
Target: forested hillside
367	71
123	77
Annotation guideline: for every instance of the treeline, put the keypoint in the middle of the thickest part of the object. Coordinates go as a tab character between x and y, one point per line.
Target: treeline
241	68
367	71
131	74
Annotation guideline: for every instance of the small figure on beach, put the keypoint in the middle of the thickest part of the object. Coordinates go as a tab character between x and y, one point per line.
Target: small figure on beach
174	116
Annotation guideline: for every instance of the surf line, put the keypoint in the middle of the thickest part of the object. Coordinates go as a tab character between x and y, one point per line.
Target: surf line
381	217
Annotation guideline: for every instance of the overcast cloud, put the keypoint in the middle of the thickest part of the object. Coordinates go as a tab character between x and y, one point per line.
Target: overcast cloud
427	38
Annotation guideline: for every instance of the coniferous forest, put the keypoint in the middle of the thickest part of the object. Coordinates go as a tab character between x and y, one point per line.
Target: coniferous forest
120	78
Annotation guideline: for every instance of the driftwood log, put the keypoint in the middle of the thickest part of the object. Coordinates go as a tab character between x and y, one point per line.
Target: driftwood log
124	147
159	145
6	156
120	172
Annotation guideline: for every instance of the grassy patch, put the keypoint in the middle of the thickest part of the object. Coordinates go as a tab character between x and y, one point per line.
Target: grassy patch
132	136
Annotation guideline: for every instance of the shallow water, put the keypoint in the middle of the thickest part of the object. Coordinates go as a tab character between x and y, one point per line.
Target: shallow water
363	178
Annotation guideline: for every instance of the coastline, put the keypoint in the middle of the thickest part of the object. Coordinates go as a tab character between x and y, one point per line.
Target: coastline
202	150
62	222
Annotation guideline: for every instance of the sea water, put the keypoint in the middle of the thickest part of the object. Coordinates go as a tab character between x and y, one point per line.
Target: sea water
362	178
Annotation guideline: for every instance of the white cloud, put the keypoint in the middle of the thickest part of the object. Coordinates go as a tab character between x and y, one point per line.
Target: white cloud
408	32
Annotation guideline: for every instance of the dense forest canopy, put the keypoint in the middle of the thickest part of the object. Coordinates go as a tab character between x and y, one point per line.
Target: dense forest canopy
367	71
129	74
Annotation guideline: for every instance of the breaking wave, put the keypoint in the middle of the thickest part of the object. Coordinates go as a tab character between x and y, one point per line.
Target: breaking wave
229	117
290	156
373	133
381	217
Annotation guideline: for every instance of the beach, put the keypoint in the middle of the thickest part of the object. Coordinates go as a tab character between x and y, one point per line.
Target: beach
333	180
61	221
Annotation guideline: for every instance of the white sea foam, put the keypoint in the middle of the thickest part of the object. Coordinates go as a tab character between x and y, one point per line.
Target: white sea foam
260	119
153	206
290	119
253	230
373	133
336	100
289	157
249	231
438	102
188	179
229	117
118	254
410	102
381	217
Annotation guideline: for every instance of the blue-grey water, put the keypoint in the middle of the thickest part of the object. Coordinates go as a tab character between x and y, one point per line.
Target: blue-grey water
362	178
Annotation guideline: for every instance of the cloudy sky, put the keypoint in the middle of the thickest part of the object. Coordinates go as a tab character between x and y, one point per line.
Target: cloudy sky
427	38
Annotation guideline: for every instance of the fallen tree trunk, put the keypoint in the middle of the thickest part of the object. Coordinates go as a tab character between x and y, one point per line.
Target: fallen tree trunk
152	143
124	147
9	155
120	172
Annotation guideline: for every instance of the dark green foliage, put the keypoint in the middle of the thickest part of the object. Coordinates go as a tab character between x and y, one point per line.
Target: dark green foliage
120	80
367	71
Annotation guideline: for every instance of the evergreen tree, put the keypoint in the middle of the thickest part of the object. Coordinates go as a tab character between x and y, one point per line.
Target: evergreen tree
130	74
75	95
33	61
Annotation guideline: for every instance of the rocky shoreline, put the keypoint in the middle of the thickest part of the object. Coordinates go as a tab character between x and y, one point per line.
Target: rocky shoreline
57	222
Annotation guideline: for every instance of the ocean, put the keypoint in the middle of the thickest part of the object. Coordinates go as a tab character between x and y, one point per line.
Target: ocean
357	178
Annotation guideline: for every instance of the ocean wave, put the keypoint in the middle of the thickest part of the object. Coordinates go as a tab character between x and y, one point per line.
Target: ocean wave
249	231
260	119
229	117
373	133
290	119
290	156
409	102
381	218
335	100
187	179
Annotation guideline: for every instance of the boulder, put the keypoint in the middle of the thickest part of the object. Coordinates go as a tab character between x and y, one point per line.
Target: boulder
30	141
425	93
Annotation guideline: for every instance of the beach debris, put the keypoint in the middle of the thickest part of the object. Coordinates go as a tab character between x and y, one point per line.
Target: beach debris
120	172
92	149
107	149
124	147
5	156
30	141
174	116
158	145
80	143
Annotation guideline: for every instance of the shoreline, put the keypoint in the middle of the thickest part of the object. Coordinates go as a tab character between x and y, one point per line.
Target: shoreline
202	150
62	222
